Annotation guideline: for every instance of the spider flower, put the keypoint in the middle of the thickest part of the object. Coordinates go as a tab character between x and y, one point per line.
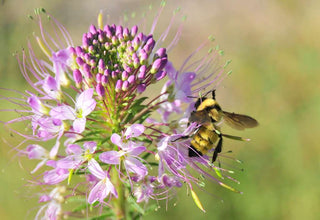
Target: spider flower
92	101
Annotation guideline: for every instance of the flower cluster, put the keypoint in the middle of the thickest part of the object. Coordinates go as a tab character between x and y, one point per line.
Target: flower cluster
98	134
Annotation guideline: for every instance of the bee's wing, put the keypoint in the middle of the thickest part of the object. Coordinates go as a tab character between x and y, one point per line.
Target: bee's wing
238	121
201	117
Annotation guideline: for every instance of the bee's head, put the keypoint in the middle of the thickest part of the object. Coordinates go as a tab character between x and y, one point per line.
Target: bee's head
201	99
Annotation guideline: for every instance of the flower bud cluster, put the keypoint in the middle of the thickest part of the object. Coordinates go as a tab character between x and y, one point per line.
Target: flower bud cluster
118	60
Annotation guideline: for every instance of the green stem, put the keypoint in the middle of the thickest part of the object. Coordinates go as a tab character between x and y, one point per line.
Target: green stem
119	204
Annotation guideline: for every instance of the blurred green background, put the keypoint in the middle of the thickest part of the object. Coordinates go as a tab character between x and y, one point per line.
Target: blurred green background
275	50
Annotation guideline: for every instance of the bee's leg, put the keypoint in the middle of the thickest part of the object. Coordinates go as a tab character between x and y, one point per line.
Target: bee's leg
218	149
213	94
193	152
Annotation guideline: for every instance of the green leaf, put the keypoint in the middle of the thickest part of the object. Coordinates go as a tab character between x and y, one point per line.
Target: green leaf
135	205
102	217
135	108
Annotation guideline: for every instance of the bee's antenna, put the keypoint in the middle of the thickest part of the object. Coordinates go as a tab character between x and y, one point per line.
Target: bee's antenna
192	97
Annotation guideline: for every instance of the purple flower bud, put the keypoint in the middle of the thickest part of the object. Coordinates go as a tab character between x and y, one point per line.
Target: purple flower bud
130	49
87	57
79	61
93	29
107	45
85	41
125	86
125	75
121	39
104	80
79	51
140	36
160	74
158	64
114	40
134	30
107	72
102	37
100	90
155	66
126	33
142	72
149	45
136	60
141	88
119	30
91	49
77	76
87	71
95	42
127	68
161	52
143	56
106	28
136	43
118	86
72	51
113	74
89	36
98	77
101	66
92	62
131	79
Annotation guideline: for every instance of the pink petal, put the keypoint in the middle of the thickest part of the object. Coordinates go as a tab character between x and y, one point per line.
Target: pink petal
54	150
70	162
85	102
98	192
135	166
74	149
79	125
110	157
116	139
35	151
137	150
95	169
134	130
91	146
63	112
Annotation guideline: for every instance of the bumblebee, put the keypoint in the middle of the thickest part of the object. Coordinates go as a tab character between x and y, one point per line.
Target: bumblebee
208	115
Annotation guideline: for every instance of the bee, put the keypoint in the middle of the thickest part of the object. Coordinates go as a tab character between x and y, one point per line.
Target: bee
208	115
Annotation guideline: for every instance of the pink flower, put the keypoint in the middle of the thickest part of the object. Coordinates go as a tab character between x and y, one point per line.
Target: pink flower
84	105
103	188
129	151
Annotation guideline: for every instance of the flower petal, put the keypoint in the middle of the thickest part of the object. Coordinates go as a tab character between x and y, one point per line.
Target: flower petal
116	139
137	150
134	130
95	169
86	102
135	166
98	192
110	157
35	151
90	145
74	149
79	125
63	112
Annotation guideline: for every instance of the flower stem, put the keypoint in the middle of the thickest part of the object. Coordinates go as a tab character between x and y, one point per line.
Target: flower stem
119	204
